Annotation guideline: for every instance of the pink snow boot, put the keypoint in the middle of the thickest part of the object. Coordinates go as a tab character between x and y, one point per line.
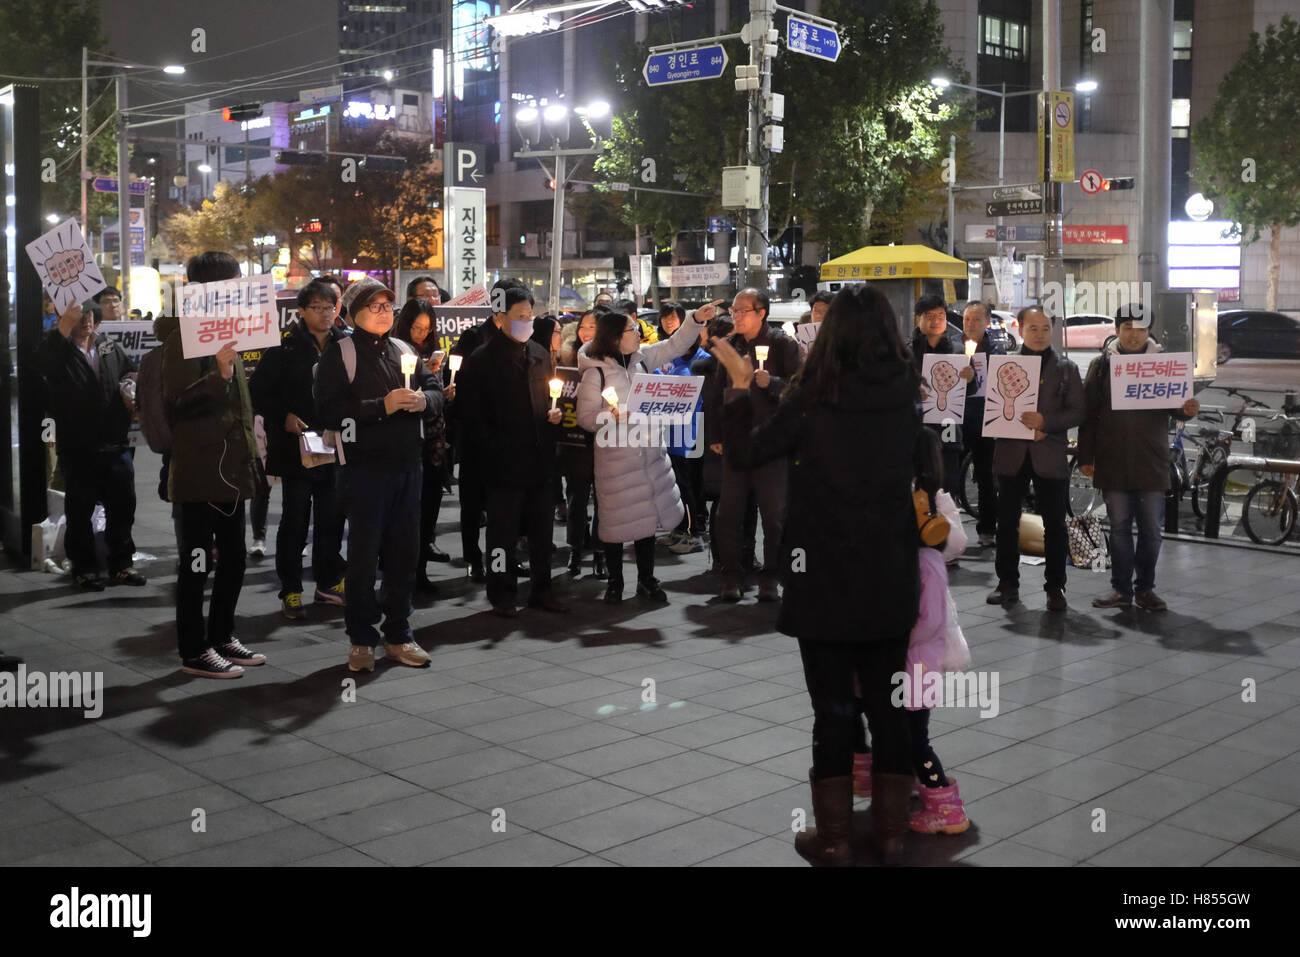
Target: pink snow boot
944	812
862	775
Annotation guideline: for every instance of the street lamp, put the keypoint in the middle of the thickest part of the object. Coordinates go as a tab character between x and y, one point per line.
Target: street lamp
123	164
551	124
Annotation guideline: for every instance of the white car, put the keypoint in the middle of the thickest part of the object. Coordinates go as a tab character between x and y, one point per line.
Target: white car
1088	331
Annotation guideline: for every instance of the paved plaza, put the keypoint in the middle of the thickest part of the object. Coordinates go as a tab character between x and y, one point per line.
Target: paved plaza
528	742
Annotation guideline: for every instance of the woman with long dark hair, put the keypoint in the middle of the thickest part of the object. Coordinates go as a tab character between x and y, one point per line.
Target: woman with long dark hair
635	488
848	423
417	324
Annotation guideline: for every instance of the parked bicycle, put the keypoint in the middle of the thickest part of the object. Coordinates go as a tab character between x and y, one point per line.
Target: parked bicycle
1269	512
1215	444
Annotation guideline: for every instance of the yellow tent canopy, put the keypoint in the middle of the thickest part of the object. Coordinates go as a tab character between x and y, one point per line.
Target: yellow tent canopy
893	262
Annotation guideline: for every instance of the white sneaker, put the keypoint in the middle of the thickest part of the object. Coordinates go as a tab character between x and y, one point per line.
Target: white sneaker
257	549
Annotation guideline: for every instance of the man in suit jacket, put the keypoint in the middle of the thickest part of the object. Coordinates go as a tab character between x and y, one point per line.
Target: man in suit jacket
1041	460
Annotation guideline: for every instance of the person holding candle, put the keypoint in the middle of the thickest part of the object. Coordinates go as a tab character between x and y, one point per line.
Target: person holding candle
281	390
360	393
511	429
89	390
415	324
577	463
975	324
470	483
688	537
635	488
767	484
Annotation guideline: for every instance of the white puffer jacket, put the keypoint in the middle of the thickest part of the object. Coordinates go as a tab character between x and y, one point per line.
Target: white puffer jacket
636	492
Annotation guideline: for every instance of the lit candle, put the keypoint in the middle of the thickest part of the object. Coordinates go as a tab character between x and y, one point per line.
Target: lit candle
455	361
610	395
760	353
408	366
557	386
970	348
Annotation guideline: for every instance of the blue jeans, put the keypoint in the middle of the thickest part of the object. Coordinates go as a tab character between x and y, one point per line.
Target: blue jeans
1148	508
383	511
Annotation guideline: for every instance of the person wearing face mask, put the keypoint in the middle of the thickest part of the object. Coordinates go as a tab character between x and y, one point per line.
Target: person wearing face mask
635	488
511	429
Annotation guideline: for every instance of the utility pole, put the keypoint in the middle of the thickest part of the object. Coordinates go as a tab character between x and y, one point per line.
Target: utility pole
85	210
1155	78
1054	231
952	176
761	48
123	198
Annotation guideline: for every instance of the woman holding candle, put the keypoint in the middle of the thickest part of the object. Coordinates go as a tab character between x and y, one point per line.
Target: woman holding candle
635	488
415	324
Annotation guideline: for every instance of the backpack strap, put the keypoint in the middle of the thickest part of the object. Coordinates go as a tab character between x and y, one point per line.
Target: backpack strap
348	351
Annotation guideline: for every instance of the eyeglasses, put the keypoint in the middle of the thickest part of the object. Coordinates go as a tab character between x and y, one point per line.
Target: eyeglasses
380	307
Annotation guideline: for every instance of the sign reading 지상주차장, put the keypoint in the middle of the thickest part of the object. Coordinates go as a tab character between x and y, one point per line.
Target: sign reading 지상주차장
1160	380
242	311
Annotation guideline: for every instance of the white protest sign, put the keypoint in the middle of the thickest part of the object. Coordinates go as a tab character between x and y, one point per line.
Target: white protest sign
980	363
66	266
805	334
135	336
1161	380
1013	390
945	390
242	311
476	295
670	397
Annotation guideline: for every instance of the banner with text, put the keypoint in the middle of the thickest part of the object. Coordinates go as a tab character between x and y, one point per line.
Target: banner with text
1162	380
243	311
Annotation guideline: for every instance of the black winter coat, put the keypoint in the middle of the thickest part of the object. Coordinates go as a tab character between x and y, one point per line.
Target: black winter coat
783	361
849	512
88	410
382	442
282	384
509	440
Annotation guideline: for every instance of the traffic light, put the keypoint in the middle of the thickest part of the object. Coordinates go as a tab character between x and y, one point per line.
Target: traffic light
1119	182
245	111
298	158
384	164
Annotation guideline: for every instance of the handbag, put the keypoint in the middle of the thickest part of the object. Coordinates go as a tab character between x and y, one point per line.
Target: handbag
956	653
1087	543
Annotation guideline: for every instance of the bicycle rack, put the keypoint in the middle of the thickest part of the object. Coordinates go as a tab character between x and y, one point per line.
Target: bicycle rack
1219	480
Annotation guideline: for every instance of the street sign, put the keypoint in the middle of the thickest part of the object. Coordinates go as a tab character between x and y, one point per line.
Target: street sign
1014	207
1027	191
1061	111
814	39
108	184
683	66
701	274
466	237
321	94
1092	181
620	187
464	165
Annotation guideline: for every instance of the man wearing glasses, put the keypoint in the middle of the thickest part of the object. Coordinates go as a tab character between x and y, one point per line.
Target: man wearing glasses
378	403
281	388
754	337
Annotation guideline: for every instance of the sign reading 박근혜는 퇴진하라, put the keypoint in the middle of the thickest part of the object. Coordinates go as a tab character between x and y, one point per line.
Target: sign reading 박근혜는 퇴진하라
1160	380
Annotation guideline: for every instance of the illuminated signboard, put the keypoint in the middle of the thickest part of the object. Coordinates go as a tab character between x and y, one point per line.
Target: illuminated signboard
358	109
315	113
1203	256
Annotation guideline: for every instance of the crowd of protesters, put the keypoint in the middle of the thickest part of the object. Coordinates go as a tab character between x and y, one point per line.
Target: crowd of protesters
810	447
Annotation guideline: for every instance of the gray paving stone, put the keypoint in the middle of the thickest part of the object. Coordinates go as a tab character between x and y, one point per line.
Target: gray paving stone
566	804
670	772
1282	838
433	842
770	814
571	740
340	798
1018	762
270	785
463	767
519	727
1013	854
1231	815
287	845
528	850
375	820
103	853
243	822
1084	778
769	852
682	845
619	825
603	761
497	790
768	743
175	807
1216	764
1153	796
712	730
1163	846
405	754
729	789
1014	809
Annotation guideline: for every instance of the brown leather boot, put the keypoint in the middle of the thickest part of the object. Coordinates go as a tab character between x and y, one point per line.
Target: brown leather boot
889	814
830	843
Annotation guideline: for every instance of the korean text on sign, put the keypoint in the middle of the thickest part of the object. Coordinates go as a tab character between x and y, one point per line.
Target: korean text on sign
242	311
668	396
1158	381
